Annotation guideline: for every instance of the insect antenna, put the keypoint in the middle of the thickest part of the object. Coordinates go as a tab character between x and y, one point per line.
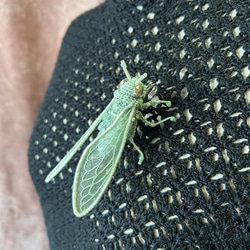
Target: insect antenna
124	66
141	78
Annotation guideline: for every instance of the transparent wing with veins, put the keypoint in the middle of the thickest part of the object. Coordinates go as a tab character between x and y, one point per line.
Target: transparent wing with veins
98	163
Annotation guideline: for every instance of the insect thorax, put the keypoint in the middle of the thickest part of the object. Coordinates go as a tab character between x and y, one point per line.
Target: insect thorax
123	97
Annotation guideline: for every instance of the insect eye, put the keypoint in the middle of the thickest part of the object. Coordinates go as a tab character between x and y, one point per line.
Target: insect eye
138	90
122	82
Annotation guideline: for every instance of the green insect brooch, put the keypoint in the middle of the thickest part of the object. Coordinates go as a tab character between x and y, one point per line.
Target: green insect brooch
116	124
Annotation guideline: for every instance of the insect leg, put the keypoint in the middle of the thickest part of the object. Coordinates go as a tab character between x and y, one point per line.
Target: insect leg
154	103
131	138
141	117
141	158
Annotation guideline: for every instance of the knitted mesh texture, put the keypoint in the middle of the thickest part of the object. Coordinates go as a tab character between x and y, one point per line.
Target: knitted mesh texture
192	190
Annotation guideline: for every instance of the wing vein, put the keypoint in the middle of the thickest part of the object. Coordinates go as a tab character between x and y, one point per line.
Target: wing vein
98	163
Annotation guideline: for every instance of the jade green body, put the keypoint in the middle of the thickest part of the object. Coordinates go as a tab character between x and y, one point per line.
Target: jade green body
116	124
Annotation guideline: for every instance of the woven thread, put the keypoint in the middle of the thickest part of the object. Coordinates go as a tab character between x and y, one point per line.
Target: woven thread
192	190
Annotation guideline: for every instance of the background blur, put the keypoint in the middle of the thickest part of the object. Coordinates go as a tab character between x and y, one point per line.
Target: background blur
31	33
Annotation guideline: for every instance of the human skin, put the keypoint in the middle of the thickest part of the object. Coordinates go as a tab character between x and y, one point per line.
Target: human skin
31	34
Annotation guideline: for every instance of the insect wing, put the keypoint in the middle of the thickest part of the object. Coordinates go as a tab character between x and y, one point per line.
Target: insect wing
98	163
78	144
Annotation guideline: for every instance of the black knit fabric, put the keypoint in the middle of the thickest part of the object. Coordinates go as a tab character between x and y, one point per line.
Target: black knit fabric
192	190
